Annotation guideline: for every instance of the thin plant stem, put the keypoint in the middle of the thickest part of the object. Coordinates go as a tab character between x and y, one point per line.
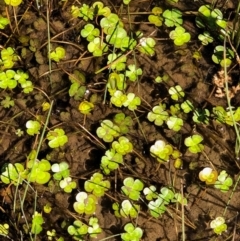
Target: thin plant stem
49	43
237	145
231	195
38	148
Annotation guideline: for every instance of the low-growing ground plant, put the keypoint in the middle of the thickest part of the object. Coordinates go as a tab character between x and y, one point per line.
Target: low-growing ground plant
102	120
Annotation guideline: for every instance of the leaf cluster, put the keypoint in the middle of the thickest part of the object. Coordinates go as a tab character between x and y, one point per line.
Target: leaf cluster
132	233
127	209
14	173
132	188
8	58
96	185
58	54
194	143
77	89
10	79
85	203
223	182
161	151
39	171
110	161
156	17
57	138
37	222
122	146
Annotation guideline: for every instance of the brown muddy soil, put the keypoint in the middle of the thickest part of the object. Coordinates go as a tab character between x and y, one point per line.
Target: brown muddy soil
83	153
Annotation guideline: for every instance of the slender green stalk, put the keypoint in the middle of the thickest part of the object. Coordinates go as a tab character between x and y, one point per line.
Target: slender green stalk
38	149
183	215
237	145
49	43
235	35
230	198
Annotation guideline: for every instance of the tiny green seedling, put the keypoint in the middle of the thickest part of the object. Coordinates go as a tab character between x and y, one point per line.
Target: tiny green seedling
39	171
218	56
132	233
161	151
57	138
77	88
157	207
7	102
224	116
85	107
158	114
99	9
176	92
156	17
127	209
8	58
187	106
78	229
172	17
84	12
85	203
194	143
37	222
123	122
118	98
7	79
61	170
179	199
58	54
33	127
108	131
96	185
166	194
147	46
97	47
116	82
51	234
132	188
122	146
94	228
3	22
117	61
205	38
133	72
208	175
179	36
4	229
13	3
174	123
132	101
110	161
223	182
90	32
150	192
201	116
218	225
67	184
163	78
14	173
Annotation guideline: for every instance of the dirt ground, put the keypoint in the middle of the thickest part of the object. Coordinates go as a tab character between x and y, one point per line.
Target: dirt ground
83	153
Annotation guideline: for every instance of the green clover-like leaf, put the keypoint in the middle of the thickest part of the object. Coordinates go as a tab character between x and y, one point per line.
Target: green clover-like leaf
173	17
57	138
180	36
176	92
33	127
194	143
